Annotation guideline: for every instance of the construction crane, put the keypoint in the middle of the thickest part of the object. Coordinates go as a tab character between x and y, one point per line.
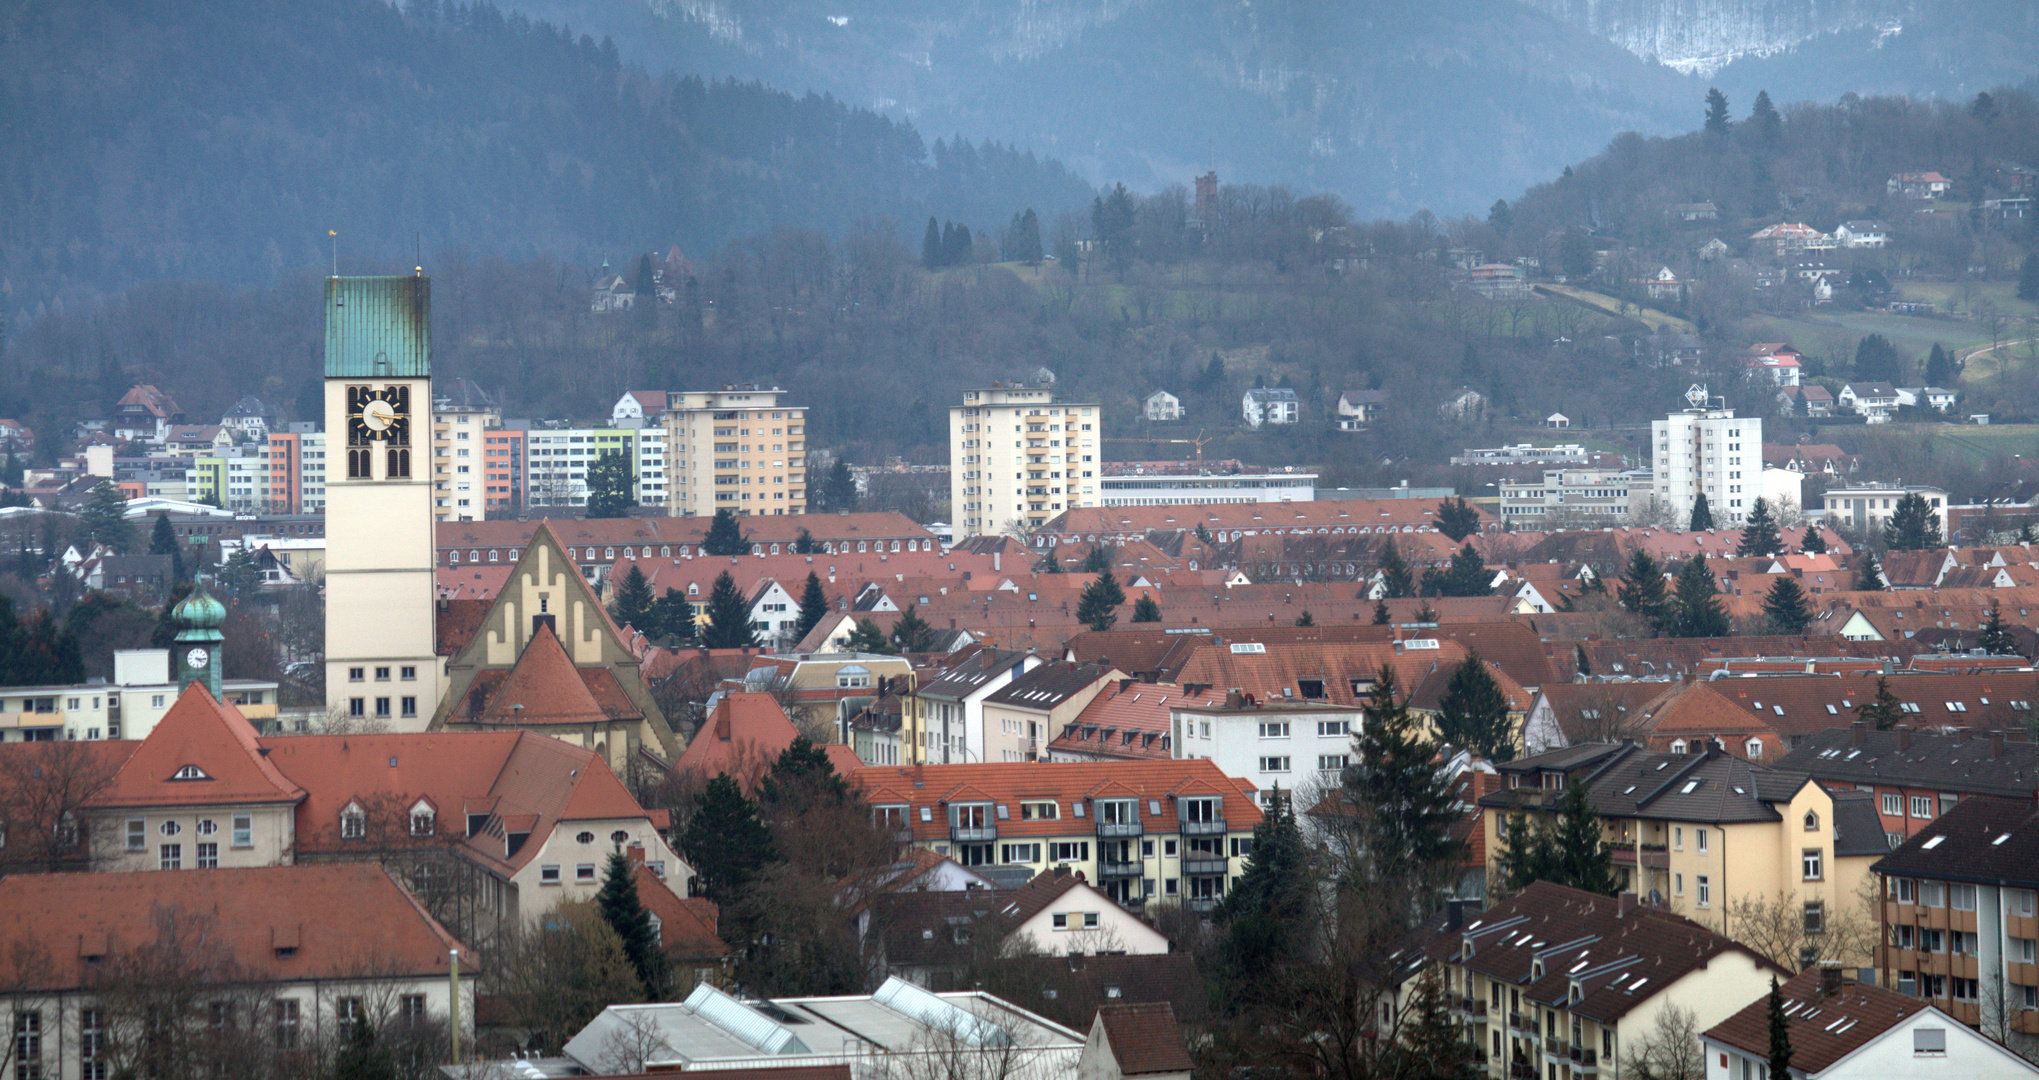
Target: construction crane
1197	442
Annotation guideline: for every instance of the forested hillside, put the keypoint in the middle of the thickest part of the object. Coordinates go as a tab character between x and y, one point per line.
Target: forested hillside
222	140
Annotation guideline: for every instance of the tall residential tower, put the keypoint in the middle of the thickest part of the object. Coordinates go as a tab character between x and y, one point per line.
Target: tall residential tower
1706	450
1018	455
381	664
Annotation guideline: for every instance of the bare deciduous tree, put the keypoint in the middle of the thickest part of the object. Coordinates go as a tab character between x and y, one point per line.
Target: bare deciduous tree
1782	928
44	788
1671	1049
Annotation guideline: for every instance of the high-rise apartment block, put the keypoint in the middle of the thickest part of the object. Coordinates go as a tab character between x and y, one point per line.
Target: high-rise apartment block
739	449
461	418
1706	450
1018	455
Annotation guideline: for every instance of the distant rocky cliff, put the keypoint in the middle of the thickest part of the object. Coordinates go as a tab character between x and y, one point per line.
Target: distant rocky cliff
1702	36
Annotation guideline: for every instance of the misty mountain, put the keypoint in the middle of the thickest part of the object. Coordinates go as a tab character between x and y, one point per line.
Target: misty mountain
1392	106
222	140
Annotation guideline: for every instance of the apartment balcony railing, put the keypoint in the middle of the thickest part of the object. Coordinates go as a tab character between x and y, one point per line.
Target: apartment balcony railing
1213	827
1557	1048
973	834
1118	830
1204	865
1201	904
1110	869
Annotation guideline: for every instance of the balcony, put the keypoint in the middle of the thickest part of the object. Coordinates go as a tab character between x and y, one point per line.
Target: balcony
1557	1049
1205	865
1585	1060
1213	827
1522	1070
973	834
1109	869
1201	904
1118	830
1522	1022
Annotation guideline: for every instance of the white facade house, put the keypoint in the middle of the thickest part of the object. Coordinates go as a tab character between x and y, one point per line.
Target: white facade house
1874	402
1080	920
1862	234
1846	1031
1868	507
1707	450
1271	405
1288	744
1187	489
1359	408
1938	399
1162	405
1576	493
1016	454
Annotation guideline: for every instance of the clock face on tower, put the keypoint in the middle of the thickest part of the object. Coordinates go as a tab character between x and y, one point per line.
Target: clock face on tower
195	659
378	414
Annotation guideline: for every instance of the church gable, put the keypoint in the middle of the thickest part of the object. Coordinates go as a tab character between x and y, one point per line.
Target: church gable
545	587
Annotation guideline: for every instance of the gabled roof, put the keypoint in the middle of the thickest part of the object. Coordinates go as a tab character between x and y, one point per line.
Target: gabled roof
1859	754
1066	783
686	925
1825	1027
274	923
544	687
214	739
1986	840
1144	1039
1049	685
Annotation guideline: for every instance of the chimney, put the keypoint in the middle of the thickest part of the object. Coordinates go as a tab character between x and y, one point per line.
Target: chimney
1624	903
635	854
1996	745
1858	733
1904	738
1233	699
1830	978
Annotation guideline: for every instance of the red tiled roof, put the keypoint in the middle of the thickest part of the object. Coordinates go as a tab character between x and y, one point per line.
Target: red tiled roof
1830	1036
201	734
1144	1039
1007	783
687	925
52	924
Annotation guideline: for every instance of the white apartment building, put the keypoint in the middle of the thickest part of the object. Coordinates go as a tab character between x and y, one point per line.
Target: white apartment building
311	460
1576	494
1523	454
1868	507
740	448
1707	450
558	461
245	480
458	482
651	466
1017	454
1298	746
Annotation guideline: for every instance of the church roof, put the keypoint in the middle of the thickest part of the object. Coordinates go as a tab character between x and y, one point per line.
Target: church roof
544	687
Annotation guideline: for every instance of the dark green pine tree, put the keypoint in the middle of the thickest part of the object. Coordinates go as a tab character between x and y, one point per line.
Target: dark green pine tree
1051	564
611	486
1526	855
1780	1033
674	615
1431	1044
1306	619
1407	805
840	487
1396	577
1870	577
726	843
1697	602
1099	560
1996	637
1765	123
1113	594
803	543
2028	278
359	1058
1473	712
1457	518
1702	514
104	518
1877	360
729	625
624	911
723	536
931	246
1813	542
1913	526
865	637
1501	217
163	541
1787	607
1883	711
1580	857
912	633
1380	613
1094	607
633	603
1940	369
800	777
1716	112
1146	610
1426	614
813	607
1263	921
1759	533
1467	575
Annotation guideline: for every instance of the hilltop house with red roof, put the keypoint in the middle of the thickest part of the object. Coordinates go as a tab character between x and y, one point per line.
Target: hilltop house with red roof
494	827
1917	185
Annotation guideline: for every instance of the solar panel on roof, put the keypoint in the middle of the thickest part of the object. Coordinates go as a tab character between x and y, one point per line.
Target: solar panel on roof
742	1022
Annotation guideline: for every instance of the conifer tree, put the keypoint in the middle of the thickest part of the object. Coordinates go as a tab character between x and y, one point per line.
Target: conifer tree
1263	920
611	486
931	246
1702	514
104	518
729	625
1642	591
1786	606
1759	533
1996	637
1913	526
1813	542
1146	610
1426	613
1407	804
1396	577
2028	278
912	633
1467	575
813	607
1940	369
1526	854
1764	121
726	843
1882	711
1431	1044
865	637
1380	613
1456	517
1716	112
633	602
1306	619
803	543
1051	564
674	615
1099	560
1473	712
2026	534
1870	577
1580	857
163	541
624	911
723	537
1699	612
839	488
1780	1033
1094	607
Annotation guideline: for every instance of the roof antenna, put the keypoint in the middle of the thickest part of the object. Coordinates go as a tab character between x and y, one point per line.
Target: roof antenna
335	234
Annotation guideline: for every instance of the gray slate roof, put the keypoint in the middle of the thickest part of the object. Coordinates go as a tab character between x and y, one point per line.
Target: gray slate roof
1861	755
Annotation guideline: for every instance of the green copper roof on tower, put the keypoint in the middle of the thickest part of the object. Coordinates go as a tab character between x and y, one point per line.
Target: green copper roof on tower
199	611
379	327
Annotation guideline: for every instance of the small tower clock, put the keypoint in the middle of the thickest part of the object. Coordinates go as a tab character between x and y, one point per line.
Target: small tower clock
196	656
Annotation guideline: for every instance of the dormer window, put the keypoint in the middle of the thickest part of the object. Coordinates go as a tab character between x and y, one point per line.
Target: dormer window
1812	821
190	772
1536	969
424	820
353	822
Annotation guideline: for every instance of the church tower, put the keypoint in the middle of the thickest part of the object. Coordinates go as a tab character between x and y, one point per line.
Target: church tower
196	658
381	663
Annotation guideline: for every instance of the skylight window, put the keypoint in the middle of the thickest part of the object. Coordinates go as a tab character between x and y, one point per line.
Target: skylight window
1933	843
1690	787
2000	839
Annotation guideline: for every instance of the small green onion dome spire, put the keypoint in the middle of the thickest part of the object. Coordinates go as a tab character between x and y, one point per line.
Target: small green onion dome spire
199	610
